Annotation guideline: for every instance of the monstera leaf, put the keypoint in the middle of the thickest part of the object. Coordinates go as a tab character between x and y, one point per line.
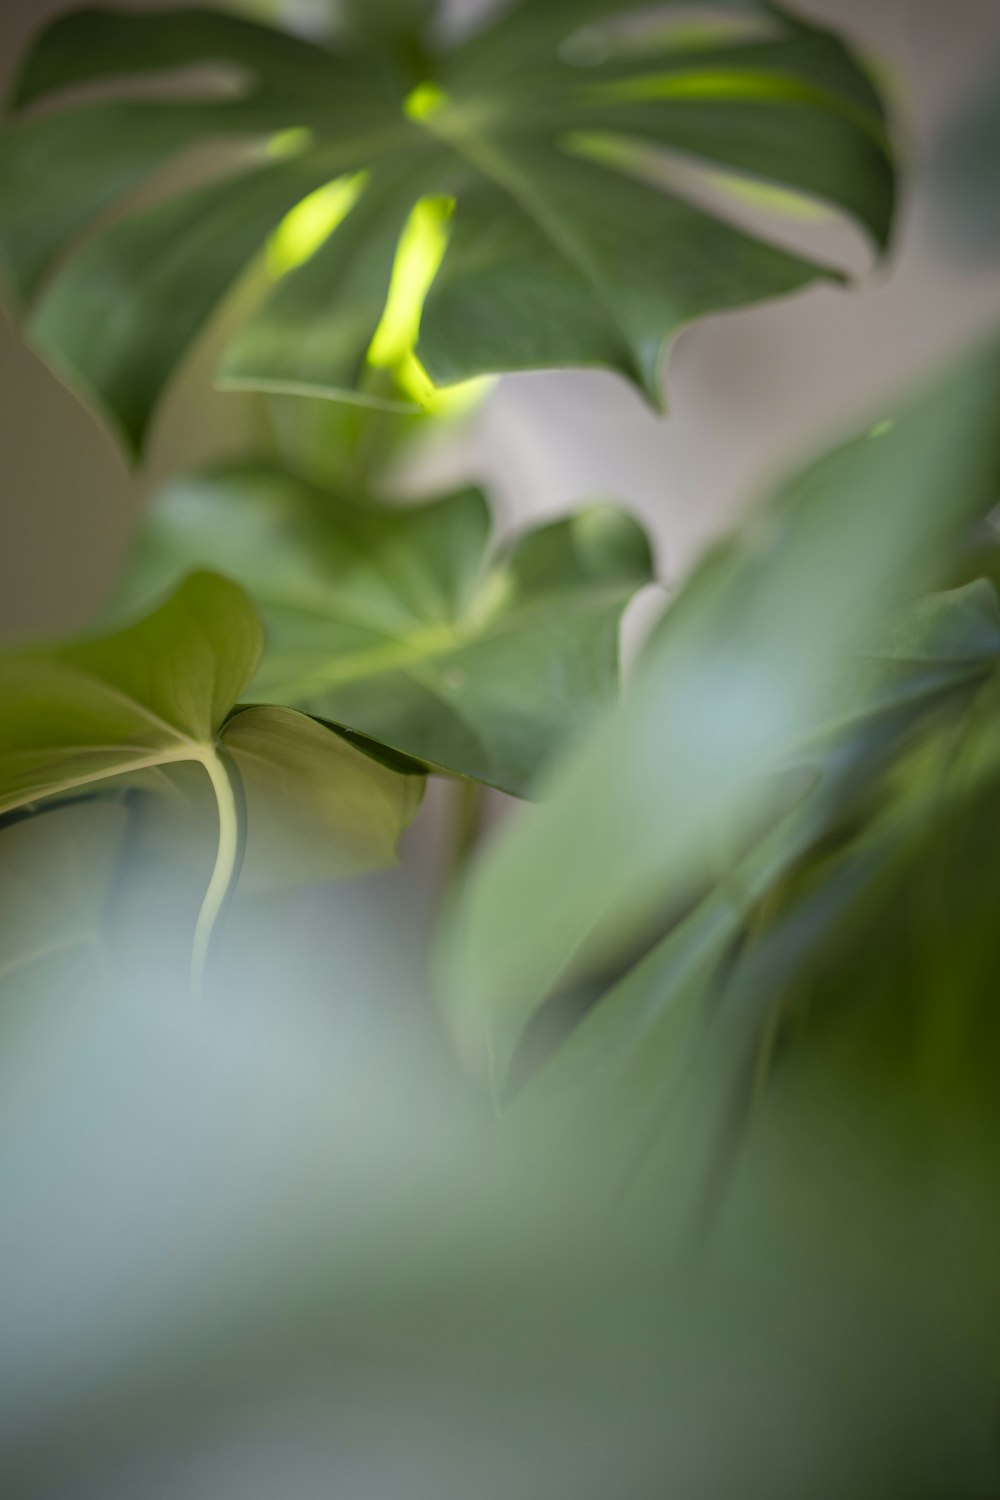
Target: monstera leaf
160	695
571	241
395	622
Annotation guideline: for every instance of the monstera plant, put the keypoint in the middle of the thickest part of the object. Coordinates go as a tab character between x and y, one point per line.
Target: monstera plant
411	208
728	981
536	155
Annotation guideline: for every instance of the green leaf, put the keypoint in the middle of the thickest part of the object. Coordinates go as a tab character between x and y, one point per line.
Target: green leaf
737	681
318	807
385	21
398	622
56	869
160	695
620	1079
616	1081
568	243
158	692
928	650
878	955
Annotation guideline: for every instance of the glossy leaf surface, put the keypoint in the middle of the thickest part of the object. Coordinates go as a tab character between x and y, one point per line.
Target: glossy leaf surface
570	243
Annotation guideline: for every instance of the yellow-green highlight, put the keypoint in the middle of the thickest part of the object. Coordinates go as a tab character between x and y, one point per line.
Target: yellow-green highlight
704	84
418	258
423	101
421	249
782	202
303	230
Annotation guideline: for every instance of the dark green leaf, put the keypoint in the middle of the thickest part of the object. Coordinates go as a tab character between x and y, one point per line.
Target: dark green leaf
737	681
758	939
398	624
568	247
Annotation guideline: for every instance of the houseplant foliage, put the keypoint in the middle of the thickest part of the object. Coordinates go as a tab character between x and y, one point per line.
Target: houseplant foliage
504	199
162	694
531	149
748	672
732	980
397	622
826	885
787	1028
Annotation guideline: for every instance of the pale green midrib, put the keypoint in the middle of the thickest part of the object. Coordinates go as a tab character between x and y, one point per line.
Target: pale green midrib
422	646
225	871
400	649
317	607
62	784
359	619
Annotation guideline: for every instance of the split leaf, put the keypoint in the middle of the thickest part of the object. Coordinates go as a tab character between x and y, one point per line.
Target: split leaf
548	131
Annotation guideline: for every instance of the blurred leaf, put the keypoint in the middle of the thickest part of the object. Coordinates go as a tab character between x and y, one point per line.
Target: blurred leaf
566	247
56	868
623	1067
738	679
933	647
397	622
387	21
884	947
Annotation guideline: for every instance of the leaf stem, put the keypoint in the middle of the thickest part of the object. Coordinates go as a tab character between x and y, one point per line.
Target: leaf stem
228	788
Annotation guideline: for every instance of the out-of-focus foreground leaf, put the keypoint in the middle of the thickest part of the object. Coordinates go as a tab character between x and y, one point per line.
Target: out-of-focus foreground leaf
229	1260
750	667
820	906
399	624
56	869
570	243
